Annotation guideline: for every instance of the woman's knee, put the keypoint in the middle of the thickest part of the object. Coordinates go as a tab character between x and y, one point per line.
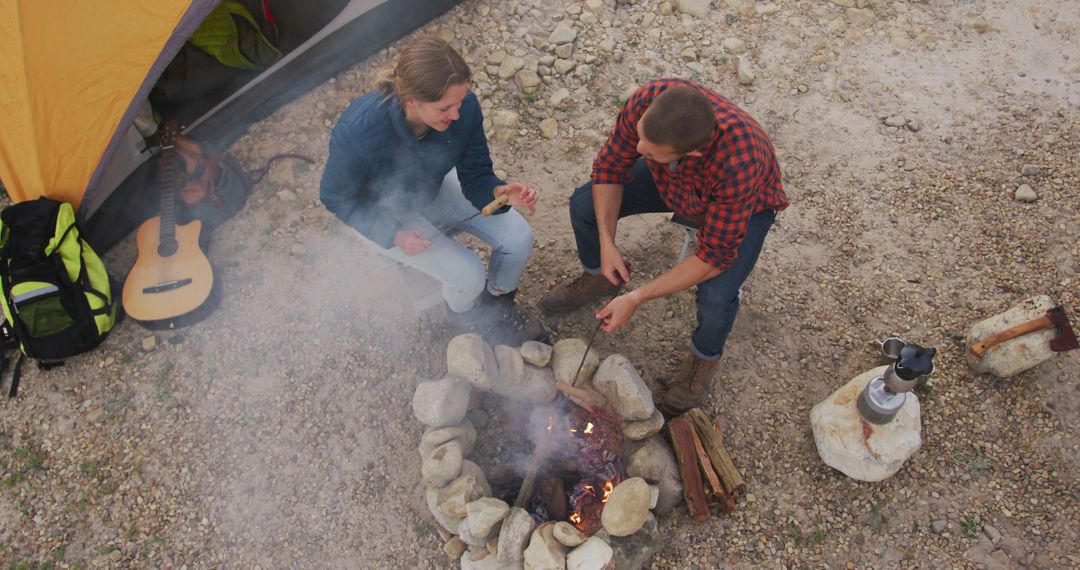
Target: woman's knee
519	240
472	277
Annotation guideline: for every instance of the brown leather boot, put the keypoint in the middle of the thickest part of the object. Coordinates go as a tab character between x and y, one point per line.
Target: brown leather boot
688	385
569	295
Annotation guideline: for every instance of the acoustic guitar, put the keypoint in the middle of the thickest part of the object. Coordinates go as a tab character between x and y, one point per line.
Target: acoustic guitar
172	277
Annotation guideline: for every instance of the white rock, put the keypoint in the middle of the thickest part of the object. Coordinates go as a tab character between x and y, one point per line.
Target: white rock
568	534
470	468
442	465
510	365
841	440
734	45
895	121
483	514
510	66
654	461
487	562
1025	193
517	527
549	128
441	403
535	352
469	357
460	492
562	34
566	357
744	71
563	66
544	552
557	98
640	430
627	507
451	524
593	554
699	8
617	380
527	80
1015	355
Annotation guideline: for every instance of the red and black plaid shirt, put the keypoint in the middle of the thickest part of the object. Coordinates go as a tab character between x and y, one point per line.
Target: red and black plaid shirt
736	177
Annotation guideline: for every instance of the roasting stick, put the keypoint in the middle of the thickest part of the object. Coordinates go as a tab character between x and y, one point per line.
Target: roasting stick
592	338
492	207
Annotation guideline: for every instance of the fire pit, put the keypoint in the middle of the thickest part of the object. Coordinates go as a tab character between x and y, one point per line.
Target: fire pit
586	494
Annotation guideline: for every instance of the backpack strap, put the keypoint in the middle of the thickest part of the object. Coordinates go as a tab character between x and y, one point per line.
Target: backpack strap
14	389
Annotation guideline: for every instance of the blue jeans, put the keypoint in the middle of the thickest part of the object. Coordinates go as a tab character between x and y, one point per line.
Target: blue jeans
457	267
717	298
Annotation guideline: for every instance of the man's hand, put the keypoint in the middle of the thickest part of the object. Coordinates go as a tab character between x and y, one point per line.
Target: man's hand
411	242
520	195
618	312
612	265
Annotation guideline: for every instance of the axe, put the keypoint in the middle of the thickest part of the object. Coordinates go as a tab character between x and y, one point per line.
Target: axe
1055	318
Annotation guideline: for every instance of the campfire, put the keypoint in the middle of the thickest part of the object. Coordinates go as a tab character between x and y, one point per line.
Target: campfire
595	470
592	443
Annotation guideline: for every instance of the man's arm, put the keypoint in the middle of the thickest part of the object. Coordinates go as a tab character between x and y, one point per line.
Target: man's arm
607	199
687	273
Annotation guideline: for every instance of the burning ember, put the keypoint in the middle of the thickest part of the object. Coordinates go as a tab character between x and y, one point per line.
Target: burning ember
594	446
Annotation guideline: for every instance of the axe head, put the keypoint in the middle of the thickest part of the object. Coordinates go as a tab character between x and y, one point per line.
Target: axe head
1065	339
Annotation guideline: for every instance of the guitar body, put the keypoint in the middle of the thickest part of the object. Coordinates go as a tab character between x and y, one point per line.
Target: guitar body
167	282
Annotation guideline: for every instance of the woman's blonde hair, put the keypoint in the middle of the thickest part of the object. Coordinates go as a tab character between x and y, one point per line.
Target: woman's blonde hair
424	71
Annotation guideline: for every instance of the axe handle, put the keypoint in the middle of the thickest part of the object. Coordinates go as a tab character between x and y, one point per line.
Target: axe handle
980	348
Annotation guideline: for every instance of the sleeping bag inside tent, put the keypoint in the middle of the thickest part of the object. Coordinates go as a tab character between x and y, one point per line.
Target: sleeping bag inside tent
83	84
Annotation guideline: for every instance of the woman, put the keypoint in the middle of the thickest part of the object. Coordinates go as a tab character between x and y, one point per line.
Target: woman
408	162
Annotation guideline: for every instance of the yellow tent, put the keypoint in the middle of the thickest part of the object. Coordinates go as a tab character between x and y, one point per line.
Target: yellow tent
72	72
76	77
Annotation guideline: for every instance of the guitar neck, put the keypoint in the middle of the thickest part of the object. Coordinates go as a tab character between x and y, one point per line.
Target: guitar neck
168	193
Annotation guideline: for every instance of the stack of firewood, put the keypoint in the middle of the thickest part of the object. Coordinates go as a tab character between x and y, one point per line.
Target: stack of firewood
708	473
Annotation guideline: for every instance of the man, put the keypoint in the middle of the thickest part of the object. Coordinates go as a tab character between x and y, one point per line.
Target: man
677	147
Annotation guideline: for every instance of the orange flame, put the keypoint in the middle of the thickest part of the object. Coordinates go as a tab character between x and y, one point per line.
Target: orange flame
608	488
575	518
589	489
589	428
550	424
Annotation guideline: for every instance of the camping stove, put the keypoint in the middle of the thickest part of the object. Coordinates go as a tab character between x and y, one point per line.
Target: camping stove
885	395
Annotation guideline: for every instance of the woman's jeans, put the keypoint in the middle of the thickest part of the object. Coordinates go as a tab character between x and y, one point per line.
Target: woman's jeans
717	298
457	267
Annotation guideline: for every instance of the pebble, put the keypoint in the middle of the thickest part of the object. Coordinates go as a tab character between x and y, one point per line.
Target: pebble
1025	193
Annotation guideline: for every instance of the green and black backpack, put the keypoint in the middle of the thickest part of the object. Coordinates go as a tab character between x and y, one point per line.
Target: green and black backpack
57	298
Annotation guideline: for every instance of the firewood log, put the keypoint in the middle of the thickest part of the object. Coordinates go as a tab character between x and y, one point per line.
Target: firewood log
553	495
725	468
682	440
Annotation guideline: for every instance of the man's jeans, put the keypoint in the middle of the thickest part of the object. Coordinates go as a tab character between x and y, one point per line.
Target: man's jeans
457	267
717	298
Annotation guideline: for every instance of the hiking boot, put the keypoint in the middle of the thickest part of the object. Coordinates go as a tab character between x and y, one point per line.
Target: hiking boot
475	320
687	387
569	295
509	323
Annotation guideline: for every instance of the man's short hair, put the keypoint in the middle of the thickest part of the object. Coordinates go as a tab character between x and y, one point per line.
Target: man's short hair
680	118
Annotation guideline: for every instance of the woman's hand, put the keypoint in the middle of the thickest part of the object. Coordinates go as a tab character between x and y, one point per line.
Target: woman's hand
618	312
520	195
411	242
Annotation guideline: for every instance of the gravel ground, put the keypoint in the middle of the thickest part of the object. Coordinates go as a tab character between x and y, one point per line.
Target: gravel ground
277	433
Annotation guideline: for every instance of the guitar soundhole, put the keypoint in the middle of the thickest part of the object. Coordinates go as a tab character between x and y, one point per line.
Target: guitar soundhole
167	247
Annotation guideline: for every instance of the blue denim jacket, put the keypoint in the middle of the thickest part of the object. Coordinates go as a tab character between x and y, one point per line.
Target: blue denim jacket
378	170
